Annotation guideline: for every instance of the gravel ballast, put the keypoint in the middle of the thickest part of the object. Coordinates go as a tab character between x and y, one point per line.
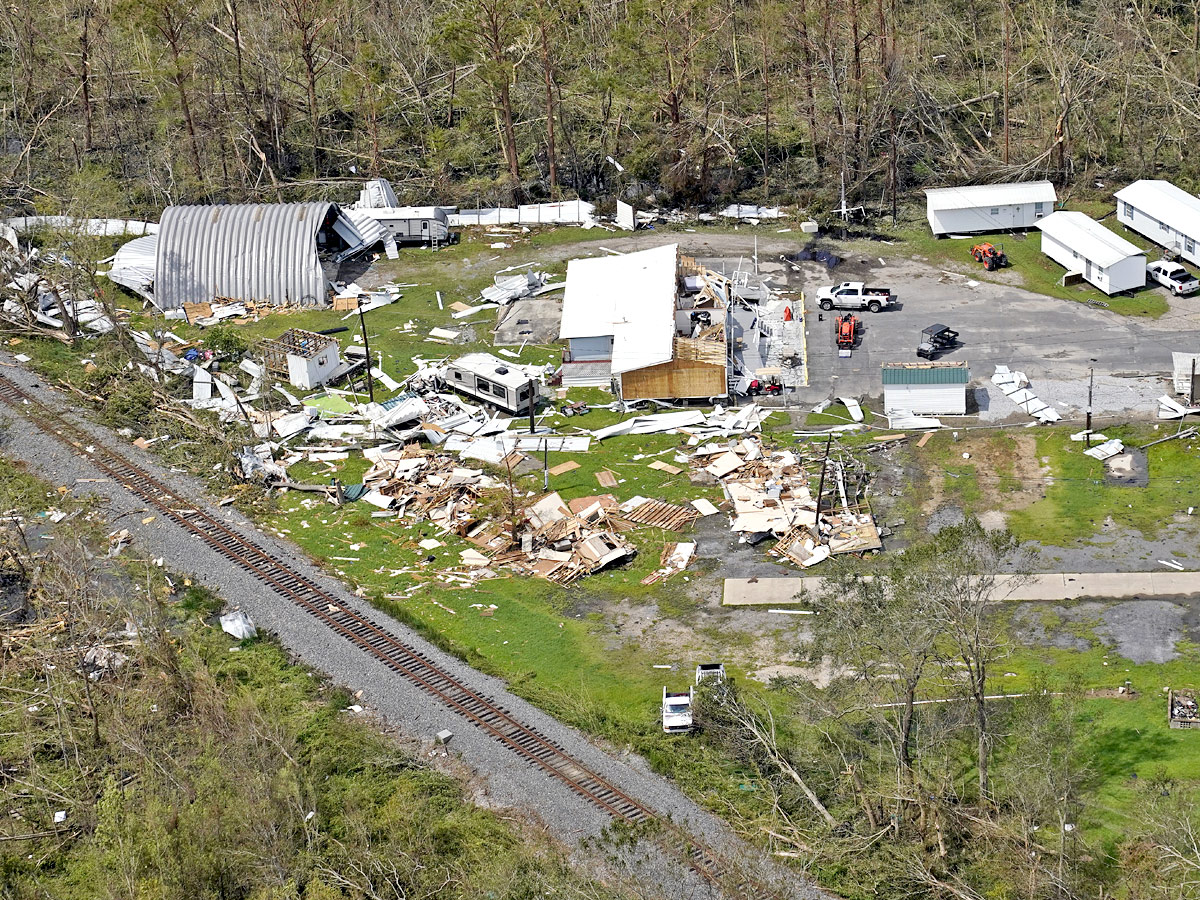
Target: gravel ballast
509	780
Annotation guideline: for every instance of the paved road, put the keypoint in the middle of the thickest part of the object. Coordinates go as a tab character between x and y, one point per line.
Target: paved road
1053	586
509	781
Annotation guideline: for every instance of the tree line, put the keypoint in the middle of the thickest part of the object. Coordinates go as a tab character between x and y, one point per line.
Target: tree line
125	105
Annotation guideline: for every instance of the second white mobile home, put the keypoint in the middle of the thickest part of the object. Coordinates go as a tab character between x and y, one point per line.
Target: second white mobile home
1085	247
1167	215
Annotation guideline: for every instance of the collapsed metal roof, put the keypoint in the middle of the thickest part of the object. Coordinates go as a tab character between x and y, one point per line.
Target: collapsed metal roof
263	252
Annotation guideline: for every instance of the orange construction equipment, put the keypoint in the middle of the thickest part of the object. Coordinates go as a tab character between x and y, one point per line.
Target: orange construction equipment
847	329
991	257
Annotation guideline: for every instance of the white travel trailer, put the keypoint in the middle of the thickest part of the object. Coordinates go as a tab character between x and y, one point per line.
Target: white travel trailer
493	381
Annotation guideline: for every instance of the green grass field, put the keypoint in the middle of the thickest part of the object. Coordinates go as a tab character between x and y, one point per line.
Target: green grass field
1079	501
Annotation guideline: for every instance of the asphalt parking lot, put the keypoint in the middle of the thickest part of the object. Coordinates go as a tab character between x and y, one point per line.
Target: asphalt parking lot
1053	341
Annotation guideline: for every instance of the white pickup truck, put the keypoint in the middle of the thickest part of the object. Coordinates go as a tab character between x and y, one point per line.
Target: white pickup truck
854	295
677	711
1174	277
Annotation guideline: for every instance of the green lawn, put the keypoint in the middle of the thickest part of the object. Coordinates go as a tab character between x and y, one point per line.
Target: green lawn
1127	741
1078	501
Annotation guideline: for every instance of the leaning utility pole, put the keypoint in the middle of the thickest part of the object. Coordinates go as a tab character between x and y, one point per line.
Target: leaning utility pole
362	321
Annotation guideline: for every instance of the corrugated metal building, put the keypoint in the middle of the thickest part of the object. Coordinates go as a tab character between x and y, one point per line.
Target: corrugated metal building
276	253
1085	247
935	388
1167	215
988	207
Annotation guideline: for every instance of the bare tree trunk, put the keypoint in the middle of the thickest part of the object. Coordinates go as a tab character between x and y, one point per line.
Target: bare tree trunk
550	151
85	78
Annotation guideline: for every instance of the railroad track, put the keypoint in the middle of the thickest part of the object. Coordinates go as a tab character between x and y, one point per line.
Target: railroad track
405	660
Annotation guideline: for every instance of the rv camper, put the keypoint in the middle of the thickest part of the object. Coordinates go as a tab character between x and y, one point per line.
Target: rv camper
493	381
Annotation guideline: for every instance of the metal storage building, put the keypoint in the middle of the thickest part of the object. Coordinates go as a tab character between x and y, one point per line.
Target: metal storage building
276	253
933	388
1167	215
1086	248
988	207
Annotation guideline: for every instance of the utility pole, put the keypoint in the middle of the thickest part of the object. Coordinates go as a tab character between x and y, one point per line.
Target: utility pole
821	484
1192	385
362	322
1088	437
532	398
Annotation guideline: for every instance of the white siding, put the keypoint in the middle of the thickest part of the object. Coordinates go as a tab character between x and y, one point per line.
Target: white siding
1136	219
1125	275
987	218
926	399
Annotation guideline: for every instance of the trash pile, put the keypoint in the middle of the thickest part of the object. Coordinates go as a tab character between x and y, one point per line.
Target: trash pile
36	301
1184	713
506	288
771	494
548	539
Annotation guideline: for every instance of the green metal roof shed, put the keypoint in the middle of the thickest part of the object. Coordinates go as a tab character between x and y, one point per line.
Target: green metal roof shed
936	388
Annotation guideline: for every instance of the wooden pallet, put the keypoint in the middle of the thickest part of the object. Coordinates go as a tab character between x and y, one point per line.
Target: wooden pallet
660	514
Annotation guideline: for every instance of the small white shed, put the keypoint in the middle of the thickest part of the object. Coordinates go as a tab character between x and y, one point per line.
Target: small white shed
1167	215
1085	247
988	207
306	359
932	388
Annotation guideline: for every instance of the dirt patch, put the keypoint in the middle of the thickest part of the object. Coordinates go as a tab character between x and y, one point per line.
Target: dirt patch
1008	475
1128	469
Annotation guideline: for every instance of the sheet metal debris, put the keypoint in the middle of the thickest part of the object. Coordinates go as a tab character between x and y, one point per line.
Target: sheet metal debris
1014	386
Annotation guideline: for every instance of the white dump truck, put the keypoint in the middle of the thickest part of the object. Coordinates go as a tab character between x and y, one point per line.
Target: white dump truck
854	295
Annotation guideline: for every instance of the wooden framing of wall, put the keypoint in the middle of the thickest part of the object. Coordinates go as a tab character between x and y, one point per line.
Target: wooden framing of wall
678	379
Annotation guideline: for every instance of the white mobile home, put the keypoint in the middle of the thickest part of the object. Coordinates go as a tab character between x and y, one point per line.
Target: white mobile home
988	207
1085	247
933	388
1167	215
630	323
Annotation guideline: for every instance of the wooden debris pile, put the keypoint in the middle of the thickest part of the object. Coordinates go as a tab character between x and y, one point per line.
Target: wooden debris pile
549	539
778	493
